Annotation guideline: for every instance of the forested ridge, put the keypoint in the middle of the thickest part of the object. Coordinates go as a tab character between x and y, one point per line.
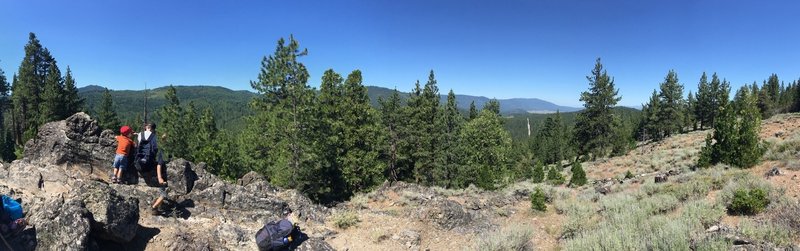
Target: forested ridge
336	141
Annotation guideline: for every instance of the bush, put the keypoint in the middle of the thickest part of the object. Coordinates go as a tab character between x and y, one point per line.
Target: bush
628	175
515	237
538	172
537	200
345	219
554	176
748	202
578	175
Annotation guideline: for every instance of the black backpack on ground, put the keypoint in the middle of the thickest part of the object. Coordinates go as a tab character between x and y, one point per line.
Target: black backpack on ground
273	235
146	153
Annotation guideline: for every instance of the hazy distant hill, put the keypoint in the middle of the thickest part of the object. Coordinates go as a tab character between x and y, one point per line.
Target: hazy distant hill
507	106
230	106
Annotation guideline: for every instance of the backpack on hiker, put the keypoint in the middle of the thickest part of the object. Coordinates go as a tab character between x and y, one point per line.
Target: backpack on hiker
11	209
146	153
275	235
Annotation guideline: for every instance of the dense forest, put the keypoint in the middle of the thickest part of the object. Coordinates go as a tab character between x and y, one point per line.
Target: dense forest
334	142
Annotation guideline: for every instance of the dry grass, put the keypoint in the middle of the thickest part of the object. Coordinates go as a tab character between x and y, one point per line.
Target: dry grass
514	237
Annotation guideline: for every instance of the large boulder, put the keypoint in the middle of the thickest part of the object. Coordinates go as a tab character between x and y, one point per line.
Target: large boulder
115	218
447	214
61	224
77	141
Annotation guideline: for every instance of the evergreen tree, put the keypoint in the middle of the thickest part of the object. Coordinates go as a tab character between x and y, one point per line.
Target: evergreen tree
650	119
493	105
735	138
174	125
392	120
538	172
703	112
578	175
361	167
721	90
554	176
50	106
285	118
424	111
553	142
595	123
449	160
27	89
72	103
691	105
7	143
486	145
768	98
331	130
473	111
671	105
107	116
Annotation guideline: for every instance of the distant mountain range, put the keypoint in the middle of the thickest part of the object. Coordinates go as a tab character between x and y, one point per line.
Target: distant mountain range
224	100
507	106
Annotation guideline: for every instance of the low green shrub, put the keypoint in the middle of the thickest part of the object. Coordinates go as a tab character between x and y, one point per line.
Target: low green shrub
748	202
537	200
345	219
554	176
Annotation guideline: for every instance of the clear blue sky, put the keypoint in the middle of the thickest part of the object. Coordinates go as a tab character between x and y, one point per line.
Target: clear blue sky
501	49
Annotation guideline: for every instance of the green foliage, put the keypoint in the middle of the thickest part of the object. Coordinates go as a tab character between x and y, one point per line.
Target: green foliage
449	160
538	172
554	176
553	140
748	202
175	125
27	89
735	140
51	100
628	175
670	114
107	116
537	200
71	101
473	111
493	105
394	132
486	147
360	136
578	175
594	129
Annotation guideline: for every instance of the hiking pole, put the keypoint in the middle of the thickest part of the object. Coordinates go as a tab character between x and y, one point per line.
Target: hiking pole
5	242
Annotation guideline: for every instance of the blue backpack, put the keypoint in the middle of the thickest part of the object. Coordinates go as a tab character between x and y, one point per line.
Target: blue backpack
274	235
12	208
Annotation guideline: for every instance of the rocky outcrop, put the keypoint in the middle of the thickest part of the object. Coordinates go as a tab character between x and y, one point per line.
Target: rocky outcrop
74	141
70	207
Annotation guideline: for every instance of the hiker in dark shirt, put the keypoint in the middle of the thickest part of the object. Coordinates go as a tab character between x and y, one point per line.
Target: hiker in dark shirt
160	181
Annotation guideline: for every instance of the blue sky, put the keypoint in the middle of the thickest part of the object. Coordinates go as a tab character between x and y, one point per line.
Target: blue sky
501	49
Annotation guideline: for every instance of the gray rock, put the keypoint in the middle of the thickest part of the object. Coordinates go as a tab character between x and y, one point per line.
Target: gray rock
61	224
773	172
115	218
661	178
74	141
447	214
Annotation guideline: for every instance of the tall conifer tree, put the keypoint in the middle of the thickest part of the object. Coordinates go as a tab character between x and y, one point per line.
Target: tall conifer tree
594	128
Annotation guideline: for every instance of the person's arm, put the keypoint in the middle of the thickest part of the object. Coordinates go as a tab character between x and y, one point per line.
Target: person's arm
158	169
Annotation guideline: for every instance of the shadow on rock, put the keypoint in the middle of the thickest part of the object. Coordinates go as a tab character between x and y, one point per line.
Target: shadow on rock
177	209
139	242
22	241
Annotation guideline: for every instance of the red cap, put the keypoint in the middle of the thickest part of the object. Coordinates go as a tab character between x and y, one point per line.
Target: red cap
125	130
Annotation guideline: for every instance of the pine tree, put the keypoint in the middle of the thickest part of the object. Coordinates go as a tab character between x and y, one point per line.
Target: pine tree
174	126
650	119
107	116
51	99
449	160
285	118
538	172
473	111
361	167
594	128
72	103
493	105
424	112
578	175
721	90
392	120
486	147
735	139
553	140
554	176
690	119
7	143
670	116
703	112
27	89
